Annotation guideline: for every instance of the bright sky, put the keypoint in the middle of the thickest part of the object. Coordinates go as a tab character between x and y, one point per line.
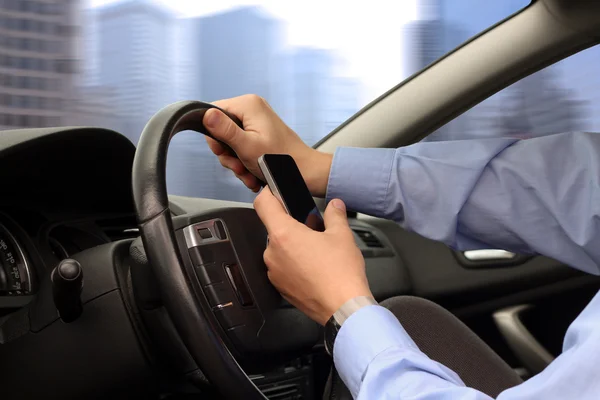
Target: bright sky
367	34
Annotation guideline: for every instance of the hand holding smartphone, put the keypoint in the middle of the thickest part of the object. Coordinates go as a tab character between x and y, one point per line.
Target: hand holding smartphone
287	185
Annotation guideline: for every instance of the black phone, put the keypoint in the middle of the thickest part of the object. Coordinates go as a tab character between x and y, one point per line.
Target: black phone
286	183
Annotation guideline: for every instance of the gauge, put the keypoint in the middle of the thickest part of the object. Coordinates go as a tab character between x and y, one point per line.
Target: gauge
15	277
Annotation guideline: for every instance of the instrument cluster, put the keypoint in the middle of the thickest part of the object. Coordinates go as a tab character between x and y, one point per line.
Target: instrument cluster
31	246
15	272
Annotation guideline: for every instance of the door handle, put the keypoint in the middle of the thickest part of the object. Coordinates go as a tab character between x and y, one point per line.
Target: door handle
526	348
488	255
489	258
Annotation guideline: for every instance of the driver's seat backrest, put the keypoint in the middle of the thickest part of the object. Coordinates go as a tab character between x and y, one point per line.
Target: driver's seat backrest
445	339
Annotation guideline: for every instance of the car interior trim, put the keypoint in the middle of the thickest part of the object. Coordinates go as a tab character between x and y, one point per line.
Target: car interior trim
488	255
525	346
193	236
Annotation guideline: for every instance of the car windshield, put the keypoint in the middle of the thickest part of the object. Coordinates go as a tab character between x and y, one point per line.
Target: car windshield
114	63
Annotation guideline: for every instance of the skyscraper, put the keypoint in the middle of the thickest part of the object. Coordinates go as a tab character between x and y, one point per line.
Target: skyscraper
537	105
427	39
135	58
579	73
37	62
314	100
222	55
96	106
235	51
424	37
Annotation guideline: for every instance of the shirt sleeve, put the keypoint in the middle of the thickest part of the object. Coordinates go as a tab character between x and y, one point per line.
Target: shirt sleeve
385	363
538	195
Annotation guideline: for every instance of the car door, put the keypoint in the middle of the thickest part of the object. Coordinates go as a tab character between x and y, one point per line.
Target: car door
521	305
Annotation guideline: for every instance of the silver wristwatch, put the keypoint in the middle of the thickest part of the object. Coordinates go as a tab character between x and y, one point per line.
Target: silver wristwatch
333	326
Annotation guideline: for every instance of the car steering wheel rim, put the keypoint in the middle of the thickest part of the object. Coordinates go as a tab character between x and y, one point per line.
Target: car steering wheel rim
198	332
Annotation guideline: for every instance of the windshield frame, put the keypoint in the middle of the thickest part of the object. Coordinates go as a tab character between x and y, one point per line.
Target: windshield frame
416	75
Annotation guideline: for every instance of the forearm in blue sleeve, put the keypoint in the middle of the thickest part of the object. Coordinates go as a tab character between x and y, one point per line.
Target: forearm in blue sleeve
539	195
377	359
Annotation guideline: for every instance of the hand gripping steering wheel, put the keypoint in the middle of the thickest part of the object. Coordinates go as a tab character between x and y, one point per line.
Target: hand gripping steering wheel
210	271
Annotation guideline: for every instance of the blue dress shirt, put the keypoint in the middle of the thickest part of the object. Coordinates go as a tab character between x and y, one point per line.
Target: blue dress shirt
537	196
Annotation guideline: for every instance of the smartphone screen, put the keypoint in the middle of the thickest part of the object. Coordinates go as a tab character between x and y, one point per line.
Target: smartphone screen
286	182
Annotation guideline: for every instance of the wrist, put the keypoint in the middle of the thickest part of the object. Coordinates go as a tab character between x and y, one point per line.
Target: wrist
351	306
334	324
337	302
315	167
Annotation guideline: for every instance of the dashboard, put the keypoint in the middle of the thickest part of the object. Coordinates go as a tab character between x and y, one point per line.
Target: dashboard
69	190
66	190
15	274
32	244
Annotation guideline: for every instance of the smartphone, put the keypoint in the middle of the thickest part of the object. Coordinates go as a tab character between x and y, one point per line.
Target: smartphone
286	183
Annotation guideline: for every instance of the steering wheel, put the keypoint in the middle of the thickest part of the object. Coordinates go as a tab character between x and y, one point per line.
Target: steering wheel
210	271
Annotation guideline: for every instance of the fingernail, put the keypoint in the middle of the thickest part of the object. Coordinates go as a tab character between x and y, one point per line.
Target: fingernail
337	203
212	119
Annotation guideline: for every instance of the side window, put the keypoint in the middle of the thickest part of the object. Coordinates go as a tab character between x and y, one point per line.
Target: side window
564	97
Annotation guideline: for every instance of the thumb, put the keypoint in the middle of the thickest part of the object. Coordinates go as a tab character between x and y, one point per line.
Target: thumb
223	128
335	216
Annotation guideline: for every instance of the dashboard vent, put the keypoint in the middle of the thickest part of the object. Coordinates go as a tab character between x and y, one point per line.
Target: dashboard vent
119	228
120	234
293	381
369	238
281	391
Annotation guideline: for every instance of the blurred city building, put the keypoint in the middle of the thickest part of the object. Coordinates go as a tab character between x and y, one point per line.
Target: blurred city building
222	55
240	51
579	74
538	105
97	106
313	98
428	38
37	62
67	63
135	57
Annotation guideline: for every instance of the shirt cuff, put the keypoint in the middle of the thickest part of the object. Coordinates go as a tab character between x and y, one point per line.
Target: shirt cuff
363	336
353	170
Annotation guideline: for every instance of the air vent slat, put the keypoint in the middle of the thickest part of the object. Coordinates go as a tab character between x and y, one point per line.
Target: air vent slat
282	391
119	228
368	238
120	234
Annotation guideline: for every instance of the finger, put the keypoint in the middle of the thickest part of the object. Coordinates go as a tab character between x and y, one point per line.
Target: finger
216	147
267	256
233	163
248	179
270	211
223	128
242	106
335	216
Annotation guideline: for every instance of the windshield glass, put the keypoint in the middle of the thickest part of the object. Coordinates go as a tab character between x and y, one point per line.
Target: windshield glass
114	63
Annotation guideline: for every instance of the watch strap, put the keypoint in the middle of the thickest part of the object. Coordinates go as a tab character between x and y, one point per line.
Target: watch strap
333	326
